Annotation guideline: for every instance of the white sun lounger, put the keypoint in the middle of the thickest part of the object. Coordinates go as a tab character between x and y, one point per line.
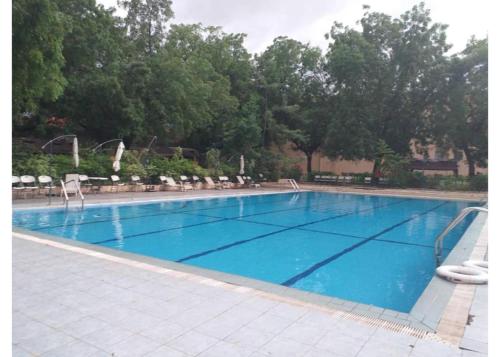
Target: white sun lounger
212	184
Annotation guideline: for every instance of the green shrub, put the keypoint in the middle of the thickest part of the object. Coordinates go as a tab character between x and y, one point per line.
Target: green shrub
294	172
478	183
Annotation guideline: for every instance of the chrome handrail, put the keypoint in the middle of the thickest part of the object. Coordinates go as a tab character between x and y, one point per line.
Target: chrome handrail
294	184
78	190
438	243
66	198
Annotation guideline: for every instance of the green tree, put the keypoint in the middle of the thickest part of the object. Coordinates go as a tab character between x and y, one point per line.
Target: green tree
383	79
95	100
460	119
38	30
294	87
146	22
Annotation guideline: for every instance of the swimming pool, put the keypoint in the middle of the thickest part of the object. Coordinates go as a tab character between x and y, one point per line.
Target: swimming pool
368	249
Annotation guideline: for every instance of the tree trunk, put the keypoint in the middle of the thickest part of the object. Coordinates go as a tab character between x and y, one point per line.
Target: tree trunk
470	162
309	162
375	174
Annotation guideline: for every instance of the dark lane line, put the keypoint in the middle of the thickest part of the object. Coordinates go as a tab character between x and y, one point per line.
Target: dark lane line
359	237
227	246
217	219
328	260
164	213
154	232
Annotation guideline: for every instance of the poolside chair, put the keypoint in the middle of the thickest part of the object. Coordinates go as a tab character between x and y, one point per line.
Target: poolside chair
136	182
168	184
196	182
252	183
46	184
87	184
116	183
17	185
186	185
348	179
211	184
340	179
368	180
262	178
383	181
29	184
241	182
224	180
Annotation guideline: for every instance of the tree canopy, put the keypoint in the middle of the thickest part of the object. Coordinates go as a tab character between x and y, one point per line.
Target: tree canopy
387	80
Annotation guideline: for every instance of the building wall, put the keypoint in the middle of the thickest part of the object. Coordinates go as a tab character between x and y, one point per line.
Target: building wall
324	164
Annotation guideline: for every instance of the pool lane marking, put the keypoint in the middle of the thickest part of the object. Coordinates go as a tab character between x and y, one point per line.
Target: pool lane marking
216	219
189	212
243	241
343	235
155	232
164	213
330	259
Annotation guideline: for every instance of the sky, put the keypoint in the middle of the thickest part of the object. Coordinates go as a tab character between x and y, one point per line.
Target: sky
309	20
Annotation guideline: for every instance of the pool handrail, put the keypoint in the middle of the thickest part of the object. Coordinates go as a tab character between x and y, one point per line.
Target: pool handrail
438	243
78	191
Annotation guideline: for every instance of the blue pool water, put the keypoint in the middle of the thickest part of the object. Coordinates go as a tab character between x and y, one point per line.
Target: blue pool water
368	249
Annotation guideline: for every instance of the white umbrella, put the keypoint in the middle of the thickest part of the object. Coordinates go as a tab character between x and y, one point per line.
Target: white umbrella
242	165
118	156
76	159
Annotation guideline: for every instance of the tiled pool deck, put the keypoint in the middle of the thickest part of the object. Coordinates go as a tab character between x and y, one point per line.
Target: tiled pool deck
68	302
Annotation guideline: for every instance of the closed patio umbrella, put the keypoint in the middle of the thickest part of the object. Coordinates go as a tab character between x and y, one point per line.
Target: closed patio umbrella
76	159
118	156
242	165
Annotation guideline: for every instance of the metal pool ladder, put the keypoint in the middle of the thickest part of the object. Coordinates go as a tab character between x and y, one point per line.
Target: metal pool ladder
65	191
294	184
438	244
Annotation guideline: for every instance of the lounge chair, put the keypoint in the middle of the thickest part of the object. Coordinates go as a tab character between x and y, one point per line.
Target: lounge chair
224	180
368	180
17	185
29	184
262	178
241	182
186	185
116	183
251	183
136	182
348	179
196	182
211	184
46	184
169	183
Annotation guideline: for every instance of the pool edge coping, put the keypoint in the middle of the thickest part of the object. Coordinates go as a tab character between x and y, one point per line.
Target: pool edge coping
352	311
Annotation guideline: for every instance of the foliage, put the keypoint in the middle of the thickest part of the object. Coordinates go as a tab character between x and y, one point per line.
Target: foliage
214	164
80	68
384	77
460	118
292	77
38	30
478	183
146	21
